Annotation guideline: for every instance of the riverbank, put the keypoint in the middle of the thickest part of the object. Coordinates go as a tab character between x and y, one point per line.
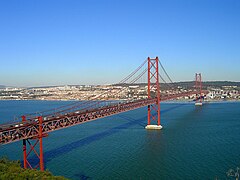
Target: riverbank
180	100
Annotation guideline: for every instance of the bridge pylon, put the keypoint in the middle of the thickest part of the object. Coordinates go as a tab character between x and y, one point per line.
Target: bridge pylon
33	143
198	86
153	92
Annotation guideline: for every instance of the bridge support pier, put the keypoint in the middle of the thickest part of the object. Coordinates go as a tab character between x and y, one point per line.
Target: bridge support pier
153	86
198	86
29	163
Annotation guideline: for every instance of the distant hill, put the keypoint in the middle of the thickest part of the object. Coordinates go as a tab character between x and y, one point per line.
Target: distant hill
221	83
53	86
216	84
190	84
184	84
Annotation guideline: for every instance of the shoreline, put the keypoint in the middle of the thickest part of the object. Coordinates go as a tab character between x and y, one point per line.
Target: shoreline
170	101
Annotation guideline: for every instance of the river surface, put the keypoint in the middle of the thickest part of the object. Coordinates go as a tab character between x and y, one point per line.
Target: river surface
195	143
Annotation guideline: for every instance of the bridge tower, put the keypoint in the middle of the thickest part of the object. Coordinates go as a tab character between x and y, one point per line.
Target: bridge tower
33	143
153	92
198	86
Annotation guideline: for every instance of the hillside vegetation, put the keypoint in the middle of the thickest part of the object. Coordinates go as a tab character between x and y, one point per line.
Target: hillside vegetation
11	170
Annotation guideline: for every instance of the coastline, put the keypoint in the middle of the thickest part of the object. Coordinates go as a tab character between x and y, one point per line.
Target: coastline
170	101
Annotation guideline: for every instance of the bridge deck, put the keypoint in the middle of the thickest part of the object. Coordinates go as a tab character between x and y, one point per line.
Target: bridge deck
30	129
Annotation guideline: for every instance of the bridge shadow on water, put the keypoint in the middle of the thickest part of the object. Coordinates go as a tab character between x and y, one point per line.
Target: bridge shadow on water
54	153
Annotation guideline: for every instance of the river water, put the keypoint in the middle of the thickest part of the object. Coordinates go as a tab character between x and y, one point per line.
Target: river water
195	143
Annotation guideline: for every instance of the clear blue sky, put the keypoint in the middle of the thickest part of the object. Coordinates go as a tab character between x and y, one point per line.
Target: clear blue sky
53	42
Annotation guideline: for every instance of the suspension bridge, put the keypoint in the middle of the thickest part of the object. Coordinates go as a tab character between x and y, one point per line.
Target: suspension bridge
34	127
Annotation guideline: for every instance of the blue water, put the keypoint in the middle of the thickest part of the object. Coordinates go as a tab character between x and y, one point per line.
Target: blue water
195	143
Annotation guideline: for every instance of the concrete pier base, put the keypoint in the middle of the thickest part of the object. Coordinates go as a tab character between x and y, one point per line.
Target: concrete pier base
198	104
153	127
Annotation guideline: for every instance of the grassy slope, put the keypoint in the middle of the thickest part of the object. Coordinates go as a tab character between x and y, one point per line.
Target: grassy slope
10	170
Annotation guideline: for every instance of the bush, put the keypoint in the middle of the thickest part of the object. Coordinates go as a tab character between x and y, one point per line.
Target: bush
11	170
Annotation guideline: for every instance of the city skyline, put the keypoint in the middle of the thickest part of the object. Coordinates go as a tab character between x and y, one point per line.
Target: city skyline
100	42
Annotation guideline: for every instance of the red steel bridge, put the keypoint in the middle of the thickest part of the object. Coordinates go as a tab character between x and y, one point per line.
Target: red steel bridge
34	127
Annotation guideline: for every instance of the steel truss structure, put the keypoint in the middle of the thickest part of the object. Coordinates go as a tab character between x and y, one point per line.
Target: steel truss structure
32	130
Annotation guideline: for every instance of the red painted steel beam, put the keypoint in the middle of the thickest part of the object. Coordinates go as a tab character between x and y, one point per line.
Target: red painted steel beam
40	136
30	129
153	81
24	147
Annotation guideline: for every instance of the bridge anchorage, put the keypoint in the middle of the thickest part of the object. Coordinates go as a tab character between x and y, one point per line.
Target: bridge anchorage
33	128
